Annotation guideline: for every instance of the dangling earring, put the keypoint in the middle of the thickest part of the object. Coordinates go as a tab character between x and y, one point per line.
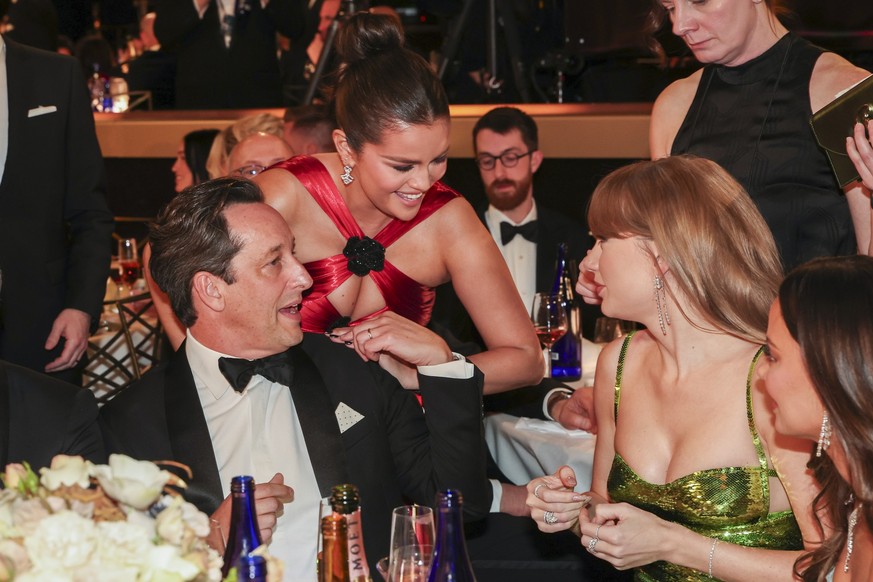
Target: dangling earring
346	176
663	315
824	437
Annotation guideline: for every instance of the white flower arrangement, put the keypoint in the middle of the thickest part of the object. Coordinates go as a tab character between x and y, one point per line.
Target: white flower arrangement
78	521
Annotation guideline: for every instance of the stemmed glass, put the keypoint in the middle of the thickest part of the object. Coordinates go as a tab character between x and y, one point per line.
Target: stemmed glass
550	322
412	537
128	258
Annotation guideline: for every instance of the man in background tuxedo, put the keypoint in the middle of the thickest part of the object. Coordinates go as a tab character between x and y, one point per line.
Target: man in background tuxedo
41	417
243	395
226	50
55	226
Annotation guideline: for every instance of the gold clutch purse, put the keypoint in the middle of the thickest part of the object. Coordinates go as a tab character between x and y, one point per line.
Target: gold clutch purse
836	121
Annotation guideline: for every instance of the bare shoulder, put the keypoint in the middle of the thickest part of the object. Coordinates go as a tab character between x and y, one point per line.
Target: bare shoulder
282	190
832	74
669	111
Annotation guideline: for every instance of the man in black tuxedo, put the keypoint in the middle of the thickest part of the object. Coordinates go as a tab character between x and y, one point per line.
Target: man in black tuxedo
226	50
41	417
55	226
225	260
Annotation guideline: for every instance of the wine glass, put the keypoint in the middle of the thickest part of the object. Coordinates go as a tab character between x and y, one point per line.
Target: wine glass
128	259
550	322
412	538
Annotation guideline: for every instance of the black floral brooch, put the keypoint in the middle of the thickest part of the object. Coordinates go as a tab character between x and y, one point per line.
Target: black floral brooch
364	255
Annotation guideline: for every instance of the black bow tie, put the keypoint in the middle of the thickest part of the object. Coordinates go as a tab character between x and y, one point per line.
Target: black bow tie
276	368
508	231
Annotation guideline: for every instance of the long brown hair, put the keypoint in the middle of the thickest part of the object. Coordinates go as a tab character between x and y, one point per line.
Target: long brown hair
827	306
707	230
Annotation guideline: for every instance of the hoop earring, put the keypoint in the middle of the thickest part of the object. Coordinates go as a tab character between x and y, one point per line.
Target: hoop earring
346	176
663	314
824	437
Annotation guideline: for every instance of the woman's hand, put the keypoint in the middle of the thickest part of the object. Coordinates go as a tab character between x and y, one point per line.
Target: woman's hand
554	506
624	535
398	344
860	150
586	287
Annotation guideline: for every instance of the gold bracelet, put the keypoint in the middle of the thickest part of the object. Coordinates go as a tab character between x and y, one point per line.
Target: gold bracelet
712	553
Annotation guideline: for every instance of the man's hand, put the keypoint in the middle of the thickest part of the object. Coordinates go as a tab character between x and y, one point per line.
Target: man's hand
73	326
270	500
576	412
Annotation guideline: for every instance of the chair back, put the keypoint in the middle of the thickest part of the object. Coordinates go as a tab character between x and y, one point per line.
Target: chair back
128	343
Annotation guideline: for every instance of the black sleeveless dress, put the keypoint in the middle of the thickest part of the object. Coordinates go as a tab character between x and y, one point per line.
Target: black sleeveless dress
753	120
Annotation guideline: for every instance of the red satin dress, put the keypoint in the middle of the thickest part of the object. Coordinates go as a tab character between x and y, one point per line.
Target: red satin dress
402	294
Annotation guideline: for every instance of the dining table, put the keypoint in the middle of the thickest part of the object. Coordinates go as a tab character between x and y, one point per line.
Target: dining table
526	448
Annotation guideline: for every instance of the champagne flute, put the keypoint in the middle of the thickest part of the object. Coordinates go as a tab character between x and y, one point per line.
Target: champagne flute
550	322
412	538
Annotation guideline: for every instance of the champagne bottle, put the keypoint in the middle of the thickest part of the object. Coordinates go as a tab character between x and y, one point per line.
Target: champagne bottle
334	563
567	351
450	560
346	502
244	534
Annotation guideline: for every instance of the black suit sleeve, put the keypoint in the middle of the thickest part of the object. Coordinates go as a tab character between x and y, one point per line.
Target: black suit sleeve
174	19
82	435
448	450
90	223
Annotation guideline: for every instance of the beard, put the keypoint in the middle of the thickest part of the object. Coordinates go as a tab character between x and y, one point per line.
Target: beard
511	198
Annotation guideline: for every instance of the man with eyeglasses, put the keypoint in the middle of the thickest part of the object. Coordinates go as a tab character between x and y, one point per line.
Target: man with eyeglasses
256	153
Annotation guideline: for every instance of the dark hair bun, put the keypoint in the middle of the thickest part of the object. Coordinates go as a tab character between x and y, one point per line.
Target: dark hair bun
365	35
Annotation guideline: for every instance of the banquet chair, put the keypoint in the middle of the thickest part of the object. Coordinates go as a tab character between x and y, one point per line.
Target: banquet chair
126	349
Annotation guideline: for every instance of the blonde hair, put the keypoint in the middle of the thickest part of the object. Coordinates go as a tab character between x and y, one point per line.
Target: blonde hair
231	135
708	232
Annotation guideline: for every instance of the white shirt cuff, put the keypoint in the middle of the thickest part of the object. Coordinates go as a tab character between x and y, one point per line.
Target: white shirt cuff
549	394
458	369
498	495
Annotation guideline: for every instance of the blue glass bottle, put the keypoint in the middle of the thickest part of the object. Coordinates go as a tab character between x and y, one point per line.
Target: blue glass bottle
244	534
252	568
451	563
567	351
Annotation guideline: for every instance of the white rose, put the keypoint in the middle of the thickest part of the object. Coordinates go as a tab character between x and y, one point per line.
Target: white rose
180	521
166	563
15	472
27	514
63	541
66	470
123	544
137	484
14	559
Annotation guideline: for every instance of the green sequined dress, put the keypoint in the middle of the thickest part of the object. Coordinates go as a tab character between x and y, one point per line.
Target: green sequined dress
729	503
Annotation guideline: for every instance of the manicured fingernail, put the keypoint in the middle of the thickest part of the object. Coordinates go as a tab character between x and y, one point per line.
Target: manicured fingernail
585	499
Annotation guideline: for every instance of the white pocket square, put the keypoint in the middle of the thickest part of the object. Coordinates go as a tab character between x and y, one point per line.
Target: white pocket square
41	110
347	417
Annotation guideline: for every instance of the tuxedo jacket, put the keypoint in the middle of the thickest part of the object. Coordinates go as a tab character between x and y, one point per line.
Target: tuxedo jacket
395	454
451	320
55	226
209	75
41	417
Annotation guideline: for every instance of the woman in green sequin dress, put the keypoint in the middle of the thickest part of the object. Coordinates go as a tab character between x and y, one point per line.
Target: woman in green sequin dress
818	371
689	478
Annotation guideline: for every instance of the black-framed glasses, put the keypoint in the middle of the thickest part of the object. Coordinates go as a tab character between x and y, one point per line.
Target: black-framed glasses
250	171
508	159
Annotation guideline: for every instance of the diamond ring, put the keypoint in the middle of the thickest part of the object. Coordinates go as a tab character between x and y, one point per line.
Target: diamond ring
550	518
370	333
537	490
593	543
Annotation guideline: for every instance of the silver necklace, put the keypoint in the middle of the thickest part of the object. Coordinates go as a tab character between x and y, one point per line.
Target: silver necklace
850	540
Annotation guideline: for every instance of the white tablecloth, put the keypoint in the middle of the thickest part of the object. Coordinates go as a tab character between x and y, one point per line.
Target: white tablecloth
526	448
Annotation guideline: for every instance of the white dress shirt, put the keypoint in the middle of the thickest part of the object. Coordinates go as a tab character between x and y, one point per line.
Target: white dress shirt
520	254
258	433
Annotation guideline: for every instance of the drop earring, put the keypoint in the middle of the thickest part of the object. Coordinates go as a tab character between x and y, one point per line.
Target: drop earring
663	314
824	437
346	176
